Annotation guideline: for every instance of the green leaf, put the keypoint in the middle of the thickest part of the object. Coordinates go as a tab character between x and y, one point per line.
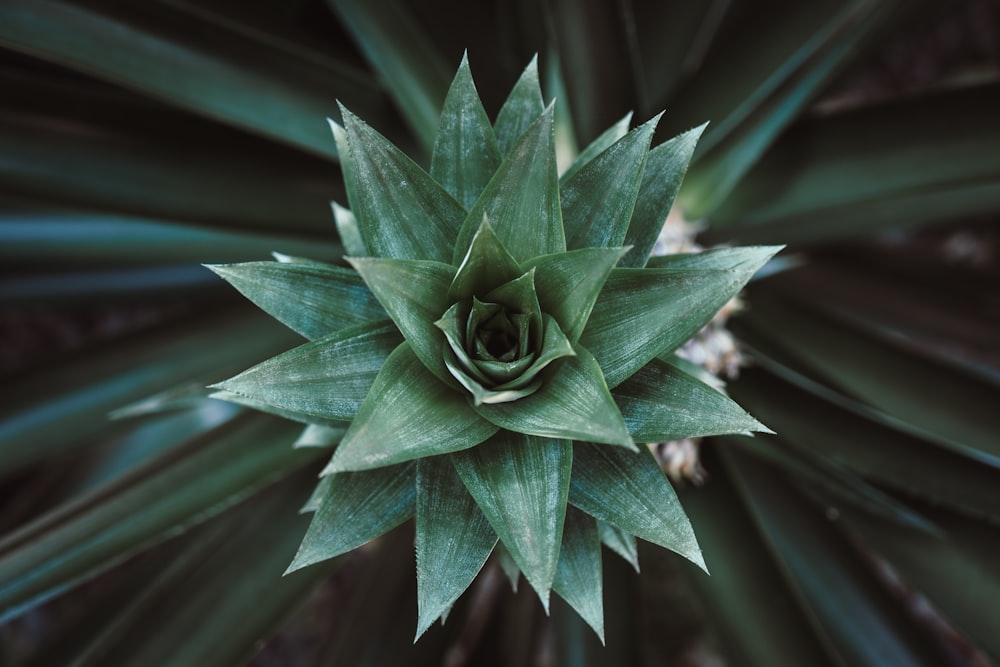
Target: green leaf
401	211
226	75
598	146
348	230
357	508
619	541
326	378
260	406
521	484
662	403
415	293
665	169
465	151
579	579
597	200
628	490
311	299
573	402
522	199
318	435
405	58
487	265
347	170
568	283
522	108
216	470
453	539
408	414
641	313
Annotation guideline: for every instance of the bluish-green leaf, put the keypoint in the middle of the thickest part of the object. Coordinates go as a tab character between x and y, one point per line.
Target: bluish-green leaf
522	199
621	542
311	299
465	151
661	403
522	108
665	169
568	283
628	490
641	313
573	402
415	293
347	228
401	211
597	200
598	146
486	265
408	414
357	508
326	378
453	539
579	578
521	484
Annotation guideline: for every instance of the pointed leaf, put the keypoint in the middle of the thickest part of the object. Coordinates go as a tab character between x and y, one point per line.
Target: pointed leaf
628	490
465	151
573	402
487	265
415	293
522	199
408	414
641	313
597	200
347	228
619	541
357	508
453	539
661	403
326	378
579	578
346	163
523	106
507	564
665	169
521	484
568	283
312	299
317	435
401	211
292	415
318	493
598	146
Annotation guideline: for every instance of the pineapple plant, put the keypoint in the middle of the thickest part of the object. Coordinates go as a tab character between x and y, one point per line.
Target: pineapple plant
862	532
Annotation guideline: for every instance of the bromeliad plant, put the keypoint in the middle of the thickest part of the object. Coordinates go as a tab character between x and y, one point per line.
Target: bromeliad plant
499	345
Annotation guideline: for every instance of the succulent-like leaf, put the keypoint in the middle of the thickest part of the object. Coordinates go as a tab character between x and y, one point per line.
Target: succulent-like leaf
628	490
326	378
522	199
408	414
415	293
523	106
641	313
661	403
665	169
346	160
568	283
347	228
401	211
621	542
312	299
573	402
597	200
598	146
486	265
521	484
239	399
578	575
357	508
453	539
465	151
318	435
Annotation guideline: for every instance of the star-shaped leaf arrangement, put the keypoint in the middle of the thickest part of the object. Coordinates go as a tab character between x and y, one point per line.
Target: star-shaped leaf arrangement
497	349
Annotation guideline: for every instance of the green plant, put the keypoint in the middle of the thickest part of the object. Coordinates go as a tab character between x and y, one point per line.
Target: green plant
512	335
139	140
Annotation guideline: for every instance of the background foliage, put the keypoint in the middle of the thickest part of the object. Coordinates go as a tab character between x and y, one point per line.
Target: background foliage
138	141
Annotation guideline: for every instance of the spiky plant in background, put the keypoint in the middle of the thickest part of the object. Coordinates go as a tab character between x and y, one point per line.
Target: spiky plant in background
141	141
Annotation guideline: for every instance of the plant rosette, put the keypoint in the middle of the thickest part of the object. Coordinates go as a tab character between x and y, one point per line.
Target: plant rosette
499	344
